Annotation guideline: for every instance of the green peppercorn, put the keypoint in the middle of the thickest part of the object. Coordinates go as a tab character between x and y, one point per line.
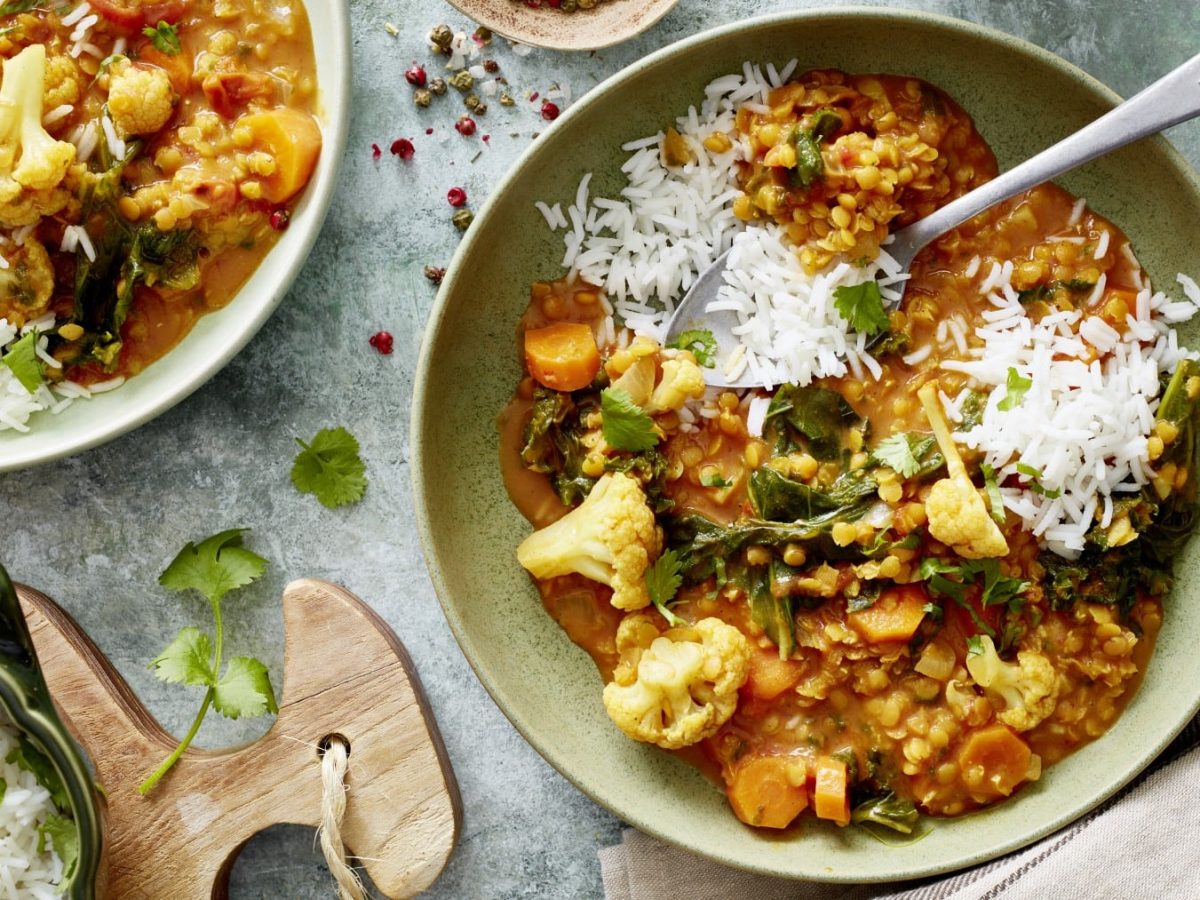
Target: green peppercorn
462	219
569	5
462	81
474	104
442	37
422	97
507	100
437	86
483	36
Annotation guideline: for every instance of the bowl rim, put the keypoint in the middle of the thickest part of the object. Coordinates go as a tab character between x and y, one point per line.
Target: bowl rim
422	467
333	104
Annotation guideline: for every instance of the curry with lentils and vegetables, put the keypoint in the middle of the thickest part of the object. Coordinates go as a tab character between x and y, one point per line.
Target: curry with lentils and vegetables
849	594
150	154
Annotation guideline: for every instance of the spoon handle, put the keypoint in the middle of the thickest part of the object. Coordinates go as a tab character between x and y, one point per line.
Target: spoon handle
1172	99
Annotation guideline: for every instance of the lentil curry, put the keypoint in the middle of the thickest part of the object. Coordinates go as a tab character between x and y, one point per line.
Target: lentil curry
177	135
834	613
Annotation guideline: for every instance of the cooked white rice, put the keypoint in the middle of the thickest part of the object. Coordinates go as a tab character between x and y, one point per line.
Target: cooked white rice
1084	423
24	871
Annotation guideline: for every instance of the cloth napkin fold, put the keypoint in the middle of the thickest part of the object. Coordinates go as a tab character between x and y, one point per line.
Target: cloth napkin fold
1145	842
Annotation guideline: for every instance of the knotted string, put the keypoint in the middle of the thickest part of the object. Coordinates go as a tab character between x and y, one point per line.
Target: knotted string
334	764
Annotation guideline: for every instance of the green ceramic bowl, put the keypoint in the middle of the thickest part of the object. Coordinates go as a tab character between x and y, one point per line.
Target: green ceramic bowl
25	701
1023	99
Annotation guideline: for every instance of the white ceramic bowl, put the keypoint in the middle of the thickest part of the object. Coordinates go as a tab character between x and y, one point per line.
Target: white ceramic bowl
217	337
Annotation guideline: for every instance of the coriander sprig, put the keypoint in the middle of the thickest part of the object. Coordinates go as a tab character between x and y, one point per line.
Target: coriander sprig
330	468
214	567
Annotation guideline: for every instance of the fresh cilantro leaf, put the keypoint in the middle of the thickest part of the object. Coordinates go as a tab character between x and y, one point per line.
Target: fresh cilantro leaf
12	7
997	588
331	468
1035	484
991	489
897	454
662	583
27	756
975	645
64	838
868	593
702	344
1017	388
862	306
1028	470
626	425
715	481
244	690
186	660
22	360
933	610
214	567
165	37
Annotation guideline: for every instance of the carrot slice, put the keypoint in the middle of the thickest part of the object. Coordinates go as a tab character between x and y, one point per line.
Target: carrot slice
562	356
1003	757
831	793
763	791
895	616
770	676
293	140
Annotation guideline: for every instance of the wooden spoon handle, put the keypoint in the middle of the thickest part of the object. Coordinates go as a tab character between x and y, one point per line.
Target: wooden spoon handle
345	673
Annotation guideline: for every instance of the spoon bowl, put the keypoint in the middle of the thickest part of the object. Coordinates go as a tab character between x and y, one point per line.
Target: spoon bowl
609	22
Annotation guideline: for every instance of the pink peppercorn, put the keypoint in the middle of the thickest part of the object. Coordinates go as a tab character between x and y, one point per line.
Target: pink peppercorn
415	76
465	126
456	196
403	148
381	341
376	152
549	111
280	219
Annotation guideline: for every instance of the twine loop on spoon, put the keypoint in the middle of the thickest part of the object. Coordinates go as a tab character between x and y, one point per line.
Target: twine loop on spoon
334	765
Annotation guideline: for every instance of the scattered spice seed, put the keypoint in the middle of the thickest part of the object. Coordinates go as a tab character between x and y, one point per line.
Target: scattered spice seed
280	219
376	151
429	131
474	104
382	341
415	76
465	126
403	148
442	37
482	36
491	66
462	80
422	97
456	196
438	86
550	111
435	274
533	97
506	99
487	139
462	219
475	158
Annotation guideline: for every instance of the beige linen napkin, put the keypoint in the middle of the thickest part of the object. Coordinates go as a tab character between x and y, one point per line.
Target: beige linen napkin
1144	843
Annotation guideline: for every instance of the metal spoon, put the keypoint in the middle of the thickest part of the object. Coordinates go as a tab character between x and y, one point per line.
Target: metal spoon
1172	99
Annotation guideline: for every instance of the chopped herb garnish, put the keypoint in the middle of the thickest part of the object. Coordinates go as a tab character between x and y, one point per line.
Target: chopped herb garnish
991	490
22	360
165	37
626	426
662	583
974	645
715	481
862	306
702	345
897	453
1017	387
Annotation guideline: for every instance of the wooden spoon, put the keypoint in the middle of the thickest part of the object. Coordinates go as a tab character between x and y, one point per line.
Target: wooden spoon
345	674
608	23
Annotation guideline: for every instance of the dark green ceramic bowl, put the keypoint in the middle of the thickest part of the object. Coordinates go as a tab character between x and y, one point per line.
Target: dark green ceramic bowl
26	702
1023	99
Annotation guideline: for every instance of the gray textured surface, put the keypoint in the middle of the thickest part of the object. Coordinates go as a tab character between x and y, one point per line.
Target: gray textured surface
95	531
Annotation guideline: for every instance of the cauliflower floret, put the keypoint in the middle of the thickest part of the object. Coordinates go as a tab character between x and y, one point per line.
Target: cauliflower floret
1028	688
681	381
679	687
27	283
140	99
64	82
32	164
611	537
956	511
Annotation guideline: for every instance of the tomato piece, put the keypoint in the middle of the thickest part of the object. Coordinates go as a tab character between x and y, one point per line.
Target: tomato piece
135	15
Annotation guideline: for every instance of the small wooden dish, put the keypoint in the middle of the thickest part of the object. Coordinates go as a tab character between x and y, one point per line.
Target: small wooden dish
610	22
